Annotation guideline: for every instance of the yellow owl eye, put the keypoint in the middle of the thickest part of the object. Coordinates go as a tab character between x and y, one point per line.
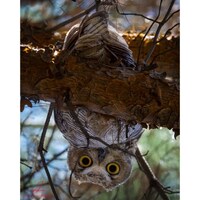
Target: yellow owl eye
85	161
113	168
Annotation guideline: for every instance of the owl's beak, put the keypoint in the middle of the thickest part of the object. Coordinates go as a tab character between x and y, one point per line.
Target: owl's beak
101	154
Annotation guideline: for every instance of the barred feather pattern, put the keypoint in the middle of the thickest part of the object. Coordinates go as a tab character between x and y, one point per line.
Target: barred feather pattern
106	5
108	129
96	40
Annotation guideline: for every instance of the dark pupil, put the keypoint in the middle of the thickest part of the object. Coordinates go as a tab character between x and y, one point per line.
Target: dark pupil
113	168
85	161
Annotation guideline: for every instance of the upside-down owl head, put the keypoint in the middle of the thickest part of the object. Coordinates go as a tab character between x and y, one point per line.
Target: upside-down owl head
102	166
90	157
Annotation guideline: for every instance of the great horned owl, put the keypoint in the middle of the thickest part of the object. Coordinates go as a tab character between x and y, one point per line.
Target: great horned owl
95	161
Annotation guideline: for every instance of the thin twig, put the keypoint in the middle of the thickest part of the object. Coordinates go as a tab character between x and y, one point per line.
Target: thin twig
25	165
161	53
135	14
62	190
157	196
70	181
79	15
41	149
159	10
40	167
172	15
154	182
168	31
51	137
116	194
36	185
158	31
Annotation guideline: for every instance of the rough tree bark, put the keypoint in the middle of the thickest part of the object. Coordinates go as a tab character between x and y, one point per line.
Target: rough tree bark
122	93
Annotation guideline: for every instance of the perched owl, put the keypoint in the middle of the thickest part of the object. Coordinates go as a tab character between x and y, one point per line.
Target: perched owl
100	145
97	42
95	161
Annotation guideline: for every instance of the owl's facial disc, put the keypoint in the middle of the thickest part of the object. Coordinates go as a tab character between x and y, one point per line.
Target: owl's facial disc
109	170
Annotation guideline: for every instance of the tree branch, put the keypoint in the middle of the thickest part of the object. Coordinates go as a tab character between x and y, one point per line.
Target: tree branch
121	93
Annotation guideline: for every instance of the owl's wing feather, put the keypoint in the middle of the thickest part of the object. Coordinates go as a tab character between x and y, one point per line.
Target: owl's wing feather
97	40
108	129
71	38
69	128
